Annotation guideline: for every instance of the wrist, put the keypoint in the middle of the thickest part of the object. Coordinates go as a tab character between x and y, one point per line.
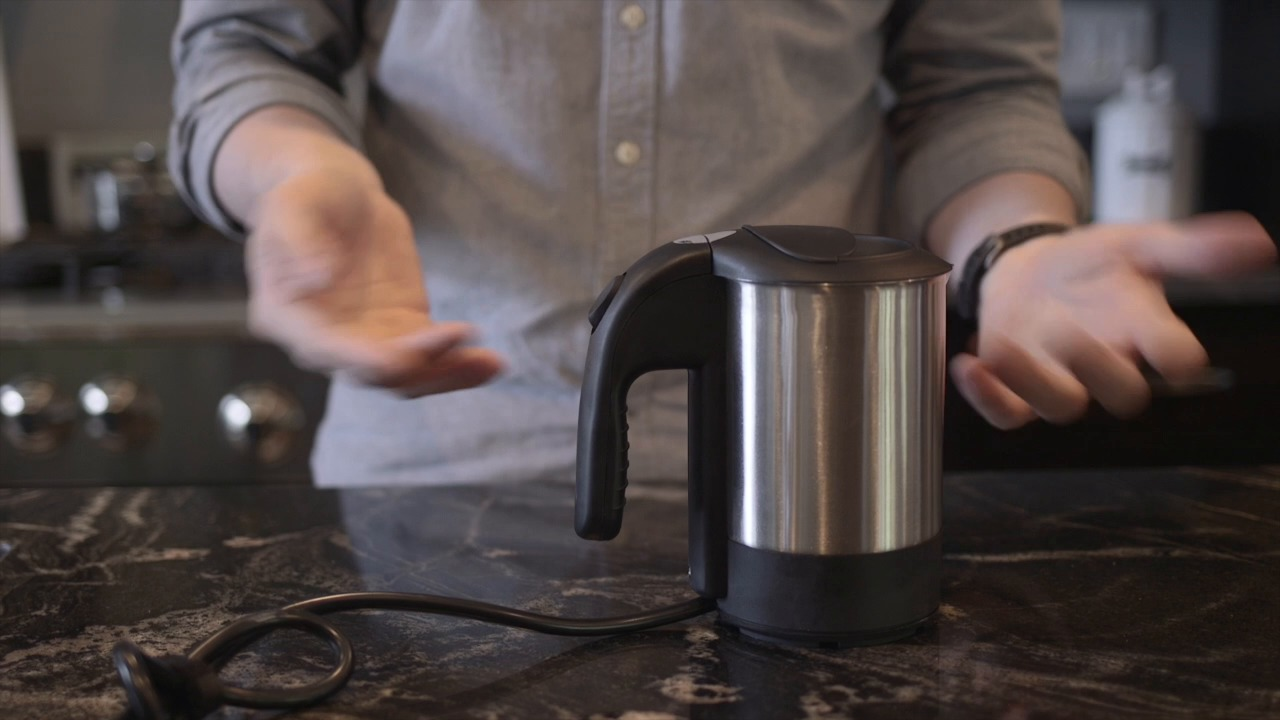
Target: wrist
276	146
341	166
987	255
327	197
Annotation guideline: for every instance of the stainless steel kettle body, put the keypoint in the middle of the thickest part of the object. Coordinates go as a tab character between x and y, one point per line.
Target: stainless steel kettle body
816	384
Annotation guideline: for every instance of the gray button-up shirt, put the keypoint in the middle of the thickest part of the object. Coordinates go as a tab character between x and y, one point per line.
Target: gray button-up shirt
541	147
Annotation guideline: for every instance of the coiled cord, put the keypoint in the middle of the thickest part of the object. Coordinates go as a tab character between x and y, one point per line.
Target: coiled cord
177	687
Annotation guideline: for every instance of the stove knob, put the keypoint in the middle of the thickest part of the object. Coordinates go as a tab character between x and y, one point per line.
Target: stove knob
121	413
36	418
261	421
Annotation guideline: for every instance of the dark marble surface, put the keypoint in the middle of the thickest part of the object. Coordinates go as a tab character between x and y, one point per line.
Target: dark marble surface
1110	594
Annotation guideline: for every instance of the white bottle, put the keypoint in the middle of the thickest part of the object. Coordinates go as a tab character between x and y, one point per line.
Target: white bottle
1146	152
13	215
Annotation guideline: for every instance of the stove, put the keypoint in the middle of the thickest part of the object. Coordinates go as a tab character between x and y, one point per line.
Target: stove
124	364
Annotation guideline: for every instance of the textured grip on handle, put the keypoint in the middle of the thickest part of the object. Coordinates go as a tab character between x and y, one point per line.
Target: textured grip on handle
624	459
668	313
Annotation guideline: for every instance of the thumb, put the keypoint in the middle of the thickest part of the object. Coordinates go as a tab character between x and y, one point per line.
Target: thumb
1210	245
294	254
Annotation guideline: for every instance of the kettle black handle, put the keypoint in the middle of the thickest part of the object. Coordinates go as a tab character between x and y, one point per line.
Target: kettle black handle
667	312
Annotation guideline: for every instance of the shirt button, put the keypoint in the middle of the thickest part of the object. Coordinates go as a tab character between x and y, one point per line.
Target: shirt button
632	16
627	153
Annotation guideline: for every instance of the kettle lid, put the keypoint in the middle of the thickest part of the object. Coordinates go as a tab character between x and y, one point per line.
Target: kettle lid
811	254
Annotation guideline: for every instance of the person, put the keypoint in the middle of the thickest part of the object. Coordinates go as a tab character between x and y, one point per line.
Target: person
512	157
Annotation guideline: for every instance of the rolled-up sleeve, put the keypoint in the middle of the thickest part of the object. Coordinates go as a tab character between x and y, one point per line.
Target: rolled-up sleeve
232	57
977	94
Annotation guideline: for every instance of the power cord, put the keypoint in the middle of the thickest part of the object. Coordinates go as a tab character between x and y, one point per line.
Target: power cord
177	687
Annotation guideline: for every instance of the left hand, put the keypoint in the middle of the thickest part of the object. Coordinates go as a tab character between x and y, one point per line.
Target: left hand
1068	318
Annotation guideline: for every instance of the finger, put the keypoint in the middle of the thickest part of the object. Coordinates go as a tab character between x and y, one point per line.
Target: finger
1055	394
1170	348
373	363
436	338
388	354
391	363
1210	245
315	343
459	369
417	354
1111	378
992	399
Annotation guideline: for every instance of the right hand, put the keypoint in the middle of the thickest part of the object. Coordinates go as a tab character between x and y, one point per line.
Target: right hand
335	278
1072	318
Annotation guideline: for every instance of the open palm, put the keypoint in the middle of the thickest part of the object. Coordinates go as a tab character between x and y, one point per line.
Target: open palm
335	278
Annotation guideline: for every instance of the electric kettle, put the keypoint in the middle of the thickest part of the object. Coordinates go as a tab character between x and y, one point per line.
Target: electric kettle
816	377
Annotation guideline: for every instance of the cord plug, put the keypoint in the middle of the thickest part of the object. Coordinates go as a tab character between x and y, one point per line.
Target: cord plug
171	687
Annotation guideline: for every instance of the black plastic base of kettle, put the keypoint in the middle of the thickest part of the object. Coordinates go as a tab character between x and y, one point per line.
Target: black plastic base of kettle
842	642
832	601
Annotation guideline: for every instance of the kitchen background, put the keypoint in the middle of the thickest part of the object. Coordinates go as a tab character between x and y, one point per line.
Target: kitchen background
123	353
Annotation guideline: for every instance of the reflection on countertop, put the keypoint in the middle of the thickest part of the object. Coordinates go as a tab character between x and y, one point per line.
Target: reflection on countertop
1107	594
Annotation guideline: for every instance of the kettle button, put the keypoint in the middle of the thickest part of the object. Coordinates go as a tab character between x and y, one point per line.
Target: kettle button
601	305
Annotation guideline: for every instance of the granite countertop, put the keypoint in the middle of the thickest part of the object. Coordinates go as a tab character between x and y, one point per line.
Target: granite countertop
1108	594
